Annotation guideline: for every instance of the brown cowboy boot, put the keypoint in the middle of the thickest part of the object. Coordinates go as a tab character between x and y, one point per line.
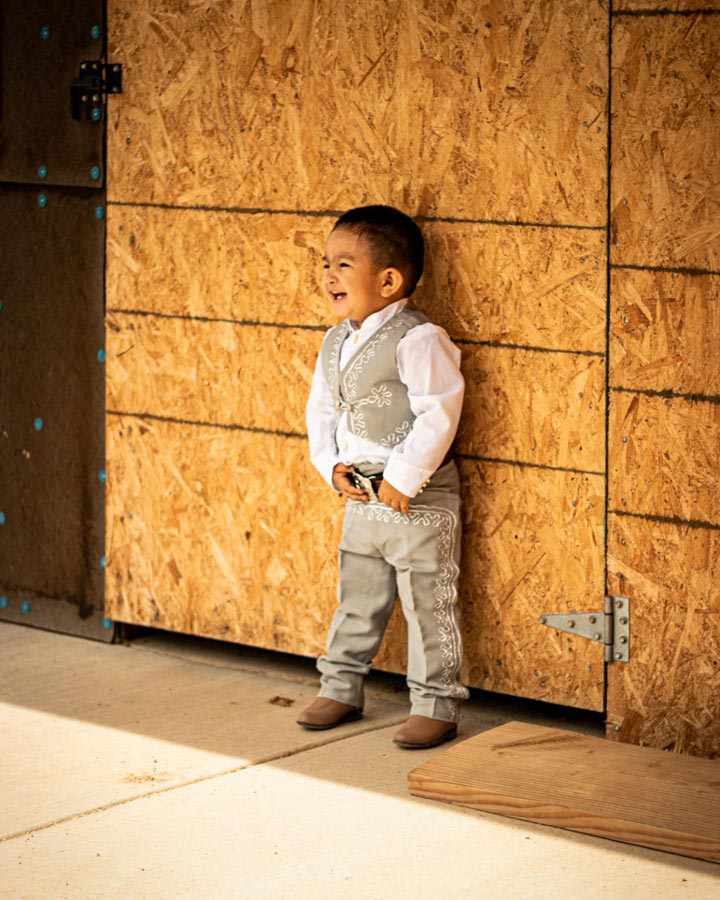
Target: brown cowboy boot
324	713
420	732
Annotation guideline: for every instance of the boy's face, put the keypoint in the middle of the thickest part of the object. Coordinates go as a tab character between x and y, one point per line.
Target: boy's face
352	282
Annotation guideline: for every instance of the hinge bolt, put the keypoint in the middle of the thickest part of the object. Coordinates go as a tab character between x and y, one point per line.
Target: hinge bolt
592	620
623	620
618	656
597	636
618	604
542	620
622	639
570	623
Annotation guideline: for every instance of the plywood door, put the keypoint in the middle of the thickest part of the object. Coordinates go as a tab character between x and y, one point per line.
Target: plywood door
664	501
243	129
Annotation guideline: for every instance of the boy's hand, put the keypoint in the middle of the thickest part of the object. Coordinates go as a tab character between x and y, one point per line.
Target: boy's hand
393	498
342	480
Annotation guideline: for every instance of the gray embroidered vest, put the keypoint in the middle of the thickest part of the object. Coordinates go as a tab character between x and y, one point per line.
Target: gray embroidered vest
369	387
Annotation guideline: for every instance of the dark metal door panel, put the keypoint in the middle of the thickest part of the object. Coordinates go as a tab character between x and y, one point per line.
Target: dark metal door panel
42	45
52	409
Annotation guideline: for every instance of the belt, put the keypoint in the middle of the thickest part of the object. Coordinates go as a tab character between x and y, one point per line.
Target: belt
376	478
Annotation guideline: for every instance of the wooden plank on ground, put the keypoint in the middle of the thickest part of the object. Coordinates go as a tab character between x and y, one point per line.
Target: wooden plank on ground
632	794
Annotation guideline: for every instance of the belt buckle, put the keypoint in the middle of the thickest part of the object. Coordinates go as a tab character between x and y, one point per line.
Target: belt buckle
366	483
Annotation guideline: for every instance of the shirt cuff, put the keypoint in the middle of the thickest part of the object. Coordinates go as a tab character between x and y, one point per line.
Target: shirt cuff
325	464
405	477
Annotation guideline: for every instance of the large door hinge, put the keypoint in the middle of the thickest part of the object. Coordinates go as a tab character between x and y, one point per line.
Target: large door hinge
610	626
95	80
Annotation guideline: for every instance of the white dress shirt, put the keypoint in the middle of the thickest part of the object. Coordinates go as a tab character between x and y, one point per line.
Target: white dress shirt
429	366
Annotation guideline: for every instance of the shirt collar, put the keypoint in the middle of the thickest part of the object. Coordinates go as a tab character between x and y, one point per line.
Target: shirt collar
376	319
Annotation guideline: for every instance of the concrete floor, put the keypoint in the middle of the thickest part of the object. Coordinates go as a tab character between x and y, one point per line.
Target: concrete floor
170	767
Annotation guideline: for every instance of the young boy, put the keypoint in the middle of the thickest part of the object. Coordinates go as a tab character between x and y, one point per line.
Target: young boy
383	410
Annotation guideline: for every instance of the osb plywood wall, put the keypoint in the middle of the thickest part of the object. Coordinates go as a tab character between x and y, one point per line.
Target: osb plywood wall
244	128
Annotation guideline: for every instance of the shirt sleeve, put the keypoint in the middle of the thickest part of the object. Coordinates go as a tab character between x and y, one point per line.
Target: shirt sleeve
321	424
429	365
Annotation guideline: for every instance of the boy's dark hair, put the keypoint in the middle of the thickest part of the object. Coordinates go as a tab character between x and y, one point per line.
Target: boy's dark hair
395	240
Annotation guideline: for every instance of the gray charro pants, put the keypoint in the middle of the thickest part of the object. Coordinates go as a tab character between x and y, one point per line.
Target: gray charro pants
383	554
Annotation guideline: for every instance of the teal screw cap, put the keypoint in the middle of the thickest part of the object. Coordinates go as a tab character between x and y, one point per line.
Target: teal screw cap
102	355
95	32
96	114
42	201
103	561
3	602
3	520
95	173
42	172
45	33
99	212
107	623
38	424
25	606
102	475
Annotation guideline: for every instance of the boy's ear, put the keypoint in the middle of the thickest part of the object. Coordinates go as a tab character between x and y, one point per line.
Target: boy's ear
391	281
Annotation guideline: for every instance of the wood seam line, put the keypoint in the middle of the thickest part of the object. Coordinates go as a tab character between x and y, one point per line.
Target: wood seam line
672	270
527	465
528	348
199	423
252	323
669	394
174	787
335	213
608	323
664	11
699	524
246	323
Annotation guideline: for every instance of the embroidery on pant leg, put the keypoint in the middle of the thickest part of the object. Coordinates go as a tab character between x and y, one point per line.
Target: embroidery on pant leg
444	595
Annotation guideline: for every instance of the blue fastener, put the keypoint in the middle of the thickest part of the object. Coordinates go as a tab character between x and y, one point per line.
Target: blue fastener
3	602
102	475
107	623
38	424
95	173
103	561
95	32
25	606
45	33
102	356
96	114
3	520
42	172
42	201
99	212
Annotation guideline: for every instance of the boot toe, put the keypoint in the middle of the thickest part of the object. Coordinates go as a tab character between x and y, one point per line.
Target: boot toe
421	732
324	713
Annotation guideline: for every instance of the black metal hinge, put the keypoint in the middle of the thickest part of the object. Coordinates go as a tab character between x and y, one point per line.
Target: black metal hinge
95	80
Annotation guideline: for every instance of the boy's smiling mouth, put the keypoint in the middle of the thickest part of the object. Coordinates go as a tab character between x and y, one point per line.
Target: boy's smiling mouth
338	295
